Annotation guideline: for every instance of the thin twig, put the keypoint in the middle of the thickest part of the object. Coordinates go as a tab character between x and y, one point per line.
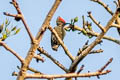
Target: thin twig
68	75
103	68
12	15
110	60
42	51
81	68
33	70
84	23
104	5
39	57
116	4
83	48
94	20
96	51
62	44
12	51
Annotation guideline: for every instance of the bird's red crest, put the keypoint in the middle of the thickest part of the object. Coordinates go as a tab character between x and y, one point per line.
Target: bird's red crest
61	19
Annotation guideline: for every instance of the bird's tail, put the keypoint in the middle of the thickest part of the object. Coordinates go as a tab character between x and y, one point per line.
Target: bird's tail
55	47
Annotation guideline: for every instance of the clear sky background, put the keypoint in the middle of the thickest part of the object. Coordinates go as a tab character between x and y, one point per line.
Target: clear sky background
35	12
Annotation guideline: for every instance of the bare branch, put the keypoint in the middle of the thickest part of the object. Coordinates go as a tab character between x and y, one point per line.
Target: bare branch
42	51
39	57
93	44
20	16
81	68
100	70
39	35
110	60
97	23
12	51
47	20
33	70
62	44
115	25
96	51
119	3
68	75
83	48
104	5
84	23
12	15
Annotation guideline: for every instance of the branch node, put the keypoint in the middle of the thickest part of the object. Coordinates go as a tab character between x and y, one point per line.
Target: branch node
39	58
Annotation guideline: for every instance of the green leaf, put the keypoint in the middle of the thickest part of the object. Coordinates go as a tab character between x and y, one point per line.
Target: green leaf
7	22
4	37
17	31
84	32
89	27
14	28
75	19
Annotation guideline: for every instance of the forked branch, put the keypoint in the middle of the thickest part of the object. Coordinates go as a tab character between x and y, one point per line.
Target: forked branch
42	51
12	51
93	44
19	16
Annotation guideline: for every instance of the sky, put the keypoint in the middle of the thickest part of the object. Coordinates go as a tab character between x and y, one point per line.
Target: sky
34	12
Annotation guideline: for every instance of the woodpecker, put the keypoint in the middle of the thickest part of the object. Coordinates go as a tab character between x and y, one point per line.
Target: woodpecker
60	22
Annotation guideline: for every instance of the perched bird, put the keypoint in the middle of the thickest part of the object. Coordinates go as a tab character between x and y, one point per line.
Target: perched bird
60	22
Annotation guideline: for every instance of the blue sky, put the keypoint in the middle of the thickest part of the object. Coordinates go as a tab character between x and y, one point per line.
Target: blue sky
35	12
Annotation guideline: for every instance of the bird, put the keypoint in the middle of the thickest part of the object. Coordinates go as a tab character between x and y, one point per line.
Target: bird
60	22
